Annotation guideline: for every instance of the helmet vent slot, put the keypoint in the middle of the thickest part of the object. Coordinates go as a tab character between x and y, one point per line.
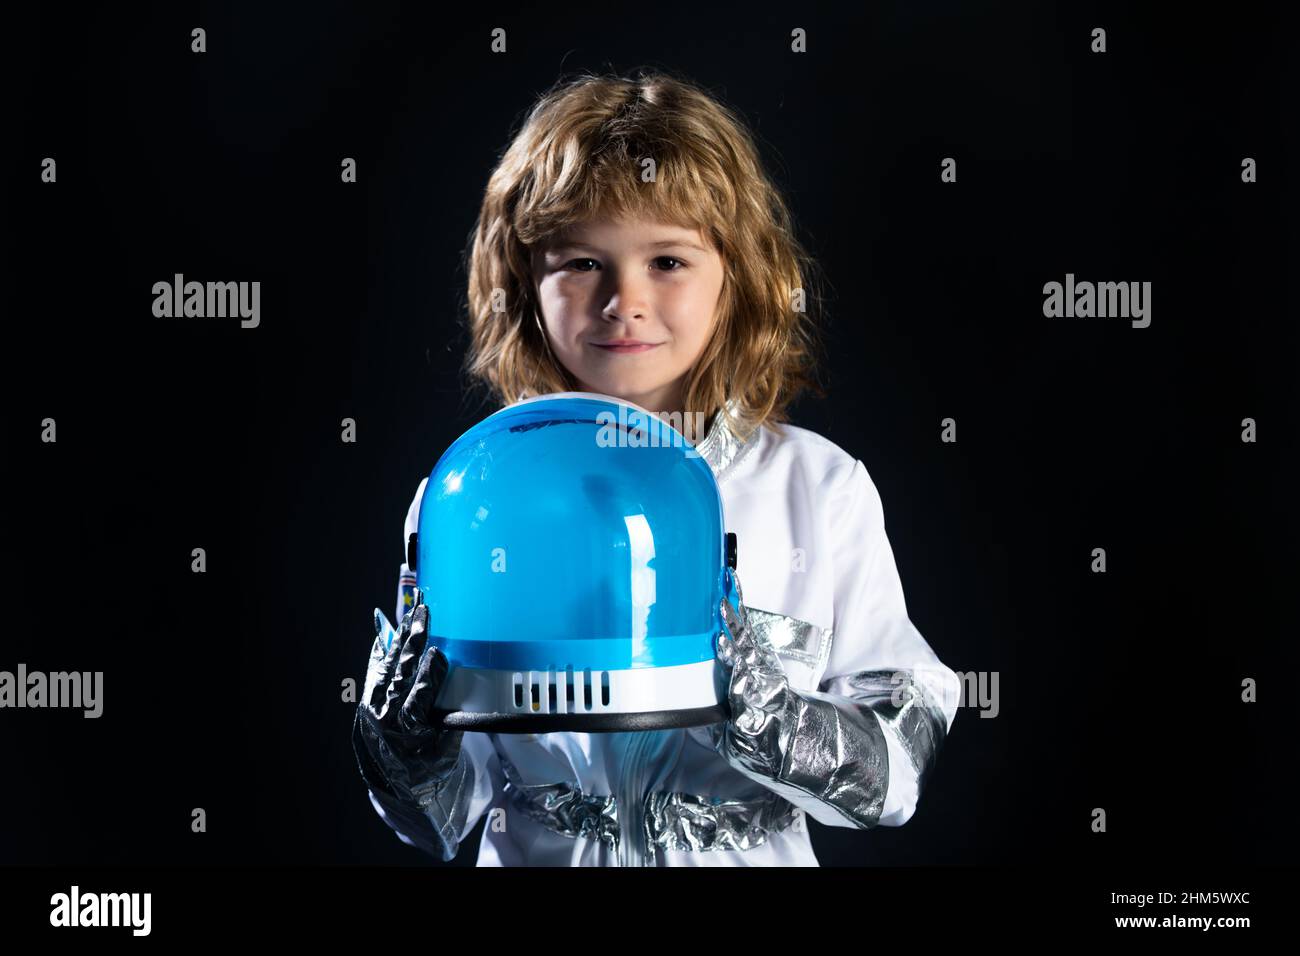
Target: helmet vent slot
555	691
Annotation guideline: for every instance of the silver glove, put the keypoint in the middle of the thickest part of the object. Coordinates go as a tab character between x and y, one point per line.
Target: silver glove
822	752
416	771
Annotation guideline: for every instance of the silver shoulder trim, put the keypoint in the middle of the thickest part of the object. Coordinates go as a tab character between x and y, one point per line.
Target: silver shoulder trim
722	447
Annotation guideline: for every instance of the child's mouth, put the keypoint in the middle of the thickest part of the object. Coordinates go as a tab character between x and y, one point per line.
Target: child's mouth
645	347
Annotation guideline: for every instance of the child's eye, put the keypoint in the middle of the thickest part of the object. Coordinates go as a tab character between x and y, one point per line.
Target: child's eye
679	263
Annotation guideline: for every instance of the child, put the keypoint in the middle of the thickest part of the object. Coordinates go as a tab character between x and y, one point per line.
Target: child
637	211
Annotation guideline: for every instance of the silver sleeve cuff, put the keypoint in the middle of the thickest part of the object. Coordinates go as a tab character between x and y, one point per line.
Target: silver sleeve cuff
908	713
445	812
823	753
447	804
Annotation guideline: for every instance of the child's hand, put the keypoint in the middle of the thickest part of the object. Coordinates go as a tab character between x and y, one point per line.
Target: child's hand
758	691
399	750
824	753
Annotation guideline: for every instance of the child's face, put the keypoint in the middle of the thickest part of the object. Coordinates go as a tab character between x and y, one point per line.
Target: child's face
629	279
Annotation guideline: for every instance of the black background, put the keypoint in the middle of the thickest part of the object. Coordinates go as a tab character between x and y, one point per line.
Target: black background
222	690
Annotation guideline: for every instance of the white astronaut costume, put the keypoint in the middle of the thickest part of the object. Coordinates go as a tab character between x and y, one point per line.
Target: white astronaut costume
821	587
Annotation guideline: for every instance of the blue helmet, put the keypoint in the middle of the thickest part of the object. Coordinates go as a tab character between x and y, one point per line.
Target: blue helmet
572	552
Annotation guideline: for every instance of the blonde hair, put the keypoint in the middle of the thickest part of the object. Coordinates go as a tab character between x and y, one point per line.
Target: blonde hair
578	157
